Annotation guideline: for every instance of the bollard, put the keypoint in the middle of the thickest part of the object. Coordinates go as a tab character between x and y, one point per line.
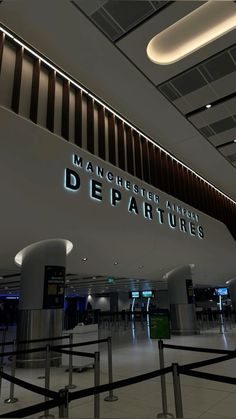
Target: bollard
177	391
96	383
11	398
47	381
70	386
164	413
64	403
110	397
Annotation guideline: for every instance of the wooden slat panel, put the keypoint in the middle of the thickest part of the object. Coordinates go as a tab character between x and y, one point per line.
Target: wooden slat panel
129	150
90	124
78	117
159	170
111	138
17	79
2	43
35	91
51	100
101	132
145	159
151	163
121	143
137	155
65	110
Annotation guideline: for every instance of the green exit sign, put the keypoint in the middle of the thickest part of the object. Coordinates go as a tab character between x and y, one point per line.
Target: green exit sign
110	280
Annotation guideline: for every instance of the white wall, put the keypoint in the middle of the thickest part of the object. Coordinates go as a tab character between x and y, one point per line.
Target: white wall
100	303
124	301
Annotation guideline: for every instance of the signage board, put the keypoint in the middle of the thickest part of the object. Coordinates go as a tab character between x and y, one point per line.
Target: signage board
134	294
159	324
148	294
189	290
221	291
54	287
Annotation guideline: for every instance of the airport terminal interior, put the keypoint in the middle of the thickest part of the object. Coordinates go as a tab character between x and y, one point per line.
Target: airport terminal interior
118	209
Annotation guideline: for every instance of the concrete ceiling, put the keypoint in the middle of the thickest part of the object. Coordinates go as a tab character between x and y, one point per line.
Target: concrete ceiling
122	75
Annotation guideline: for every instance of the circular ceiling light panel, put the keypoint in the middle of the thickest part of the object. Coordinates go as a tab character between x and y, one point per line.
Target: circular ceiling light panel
200	27
20	255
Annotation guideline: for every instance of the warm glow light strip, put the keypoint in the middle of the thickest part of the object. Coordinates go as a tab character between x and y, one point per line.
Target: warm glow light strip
110	110
195	30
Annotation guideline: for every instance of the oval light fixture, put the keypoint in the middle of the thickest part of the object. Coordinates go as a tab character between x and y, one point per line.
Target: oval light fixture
195	30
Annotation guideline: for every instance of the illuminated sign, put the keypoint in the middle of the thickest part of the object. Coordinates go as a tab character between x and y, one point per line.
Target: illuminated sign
221	291
176	216
147	294
134	294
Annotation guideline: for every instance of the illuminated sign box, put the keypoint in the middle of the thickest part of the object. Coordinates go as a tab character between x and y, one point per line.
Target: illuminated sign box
134	294
221	291
148	294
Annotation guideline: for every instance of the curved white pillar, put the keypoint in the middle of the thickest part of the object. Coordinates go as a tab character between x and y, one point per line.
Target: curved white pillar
182	307
41	296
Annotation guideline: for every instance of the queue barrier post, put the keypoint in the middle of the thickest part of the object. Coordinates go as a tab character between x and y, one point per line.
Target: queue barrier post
110	397
11	398
97	383
64	403
47	380
177	391
164	413
1	370
4	330
70	386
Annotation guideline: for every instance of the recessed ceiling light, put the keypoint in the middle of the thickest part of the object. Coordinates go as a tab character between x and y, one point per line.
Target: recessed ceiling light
205	24
84	259
208	106
234	141
115	263
140	266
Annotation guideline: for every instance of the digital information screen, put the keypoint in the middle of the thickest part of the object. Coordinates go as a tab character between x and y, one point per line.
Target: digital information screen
148	294
221	291
134	294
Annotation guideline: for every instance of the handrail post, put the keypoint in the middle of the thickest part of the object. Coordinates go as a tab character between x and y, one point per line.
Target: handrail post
64	403
177	391
11	398
97	383
70	385
164	413
110	397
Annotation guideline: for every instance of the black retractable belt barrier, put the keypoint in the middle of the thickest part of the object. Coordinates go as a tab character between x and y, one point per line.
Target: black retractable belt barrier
28	386
118	384
194	349
201	364
31	410
64	351
208	376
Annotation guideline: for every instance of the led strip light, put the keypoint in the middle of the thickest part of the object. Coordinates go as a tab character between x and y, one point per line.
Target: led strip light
53	67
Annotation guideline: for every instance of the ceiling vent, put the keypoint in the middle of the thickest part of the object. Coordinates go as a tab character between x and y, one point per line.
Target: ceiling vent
231	158
223	125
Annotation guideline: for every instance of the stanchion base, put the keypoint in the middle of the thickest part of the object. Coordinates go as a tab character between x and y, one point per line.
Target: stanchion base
11	400
165	415
110	398
48	416
70	386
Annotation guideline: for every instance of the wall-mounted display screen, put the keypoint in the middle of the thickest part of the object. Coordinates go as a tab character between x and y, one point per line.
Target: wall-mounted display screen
221	291
134	294
148	294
